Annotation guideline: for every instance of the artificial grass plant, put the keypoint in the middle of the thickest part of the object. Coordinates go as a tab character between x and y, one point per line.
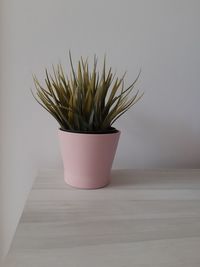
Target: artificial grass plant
85	100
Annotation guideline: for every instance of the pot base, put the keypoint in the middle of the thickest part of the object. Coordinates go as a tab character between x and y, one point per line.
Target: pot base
86	187
87	182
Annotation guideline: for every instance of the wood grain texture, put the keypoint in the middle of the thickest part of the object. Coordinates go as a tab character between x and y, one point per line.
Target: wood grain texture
143	218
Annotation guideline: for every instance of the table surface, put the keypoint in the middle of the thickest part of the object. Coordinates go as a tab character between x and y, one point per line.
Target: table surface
143	218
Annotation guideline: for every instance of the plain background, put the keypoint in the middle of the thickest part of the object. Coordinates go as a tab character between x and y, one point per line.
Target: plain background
160	36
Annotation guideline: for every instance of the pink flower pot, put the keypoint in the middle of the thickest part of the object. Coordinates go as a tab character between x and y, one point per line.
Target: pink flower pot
87	158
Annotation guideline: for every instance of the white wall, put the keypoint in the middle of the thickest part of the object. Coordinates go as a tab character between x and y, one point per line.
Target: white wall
17	161
161	36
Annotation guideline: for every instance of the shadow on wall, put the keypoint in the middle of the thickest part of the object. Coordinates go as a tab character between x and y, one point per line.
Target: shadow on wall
156	179
168	143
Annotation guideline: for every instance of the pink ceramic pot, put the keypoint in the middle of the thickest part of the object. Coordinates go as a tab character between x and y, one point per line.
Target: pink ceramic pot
88	158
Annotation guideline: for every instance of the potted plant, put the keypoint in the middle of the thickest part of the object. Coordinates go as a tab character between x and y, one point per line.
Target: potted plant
86	104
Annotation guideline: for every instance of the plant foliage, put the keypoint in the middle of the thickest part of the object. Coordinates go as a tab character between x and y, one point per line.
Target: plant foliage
85	101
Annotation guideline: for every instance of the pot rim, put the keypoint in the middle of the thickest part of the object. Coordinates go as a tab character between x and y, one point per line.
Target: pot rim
115	131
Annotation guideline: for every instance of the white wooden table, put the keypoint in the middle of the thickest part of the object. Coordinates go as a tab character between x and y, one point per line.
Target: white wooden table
143	218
